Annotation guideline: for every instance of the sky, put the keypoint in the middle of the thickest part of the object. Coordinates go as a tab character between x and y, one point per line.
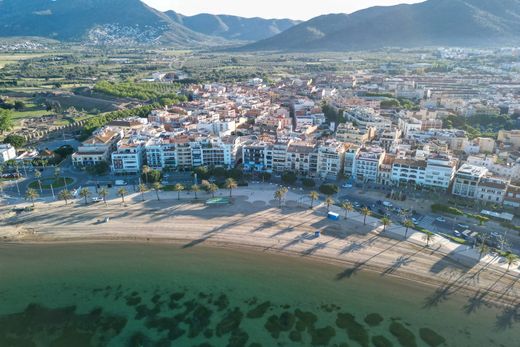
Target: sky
294	9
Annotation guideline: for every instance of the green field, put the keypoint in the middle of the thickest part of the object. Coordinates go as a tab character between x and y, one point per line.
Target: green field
55	182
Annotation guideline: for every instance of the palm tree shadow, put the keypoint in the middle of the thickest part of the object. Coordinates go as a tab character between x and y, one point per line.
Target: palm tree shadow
315	248
350	272
475	302
400	262
440	295
507	318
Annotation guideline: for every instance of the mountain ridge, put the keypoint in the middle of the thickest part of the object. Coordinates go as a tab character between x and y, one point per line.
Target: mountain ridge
430	23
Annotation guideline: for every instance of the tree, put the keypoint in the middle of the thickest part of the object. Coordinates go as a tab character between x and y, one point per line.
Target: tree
122	192
308	183
146	170
103	192
511	259
142	189
329	201
314	196
6	121
386	222
195	189
329	189
38	175
157	187
428	236
19	105
230	184
279	194
31	194
85	193
365	211
289	177
408	224
16	141
483	249
65	195
347	206
178	188
212	189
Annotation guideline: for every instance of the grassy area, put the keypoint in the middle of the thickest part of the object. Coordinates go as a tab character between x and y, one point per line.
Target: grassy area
55	182
31	113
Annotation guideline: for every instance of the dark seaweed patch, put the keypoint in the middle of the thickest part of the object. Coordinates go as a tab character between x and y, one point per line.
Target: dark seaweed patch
230	322
373	319
238	338
405	337
381	341
355	330
306	320
295	336
322	336
222	302
276	324
431	338
199	320
259	311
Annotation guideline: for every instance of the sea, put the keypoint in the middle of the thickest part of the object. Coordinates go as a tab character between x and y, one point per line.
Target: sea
158	294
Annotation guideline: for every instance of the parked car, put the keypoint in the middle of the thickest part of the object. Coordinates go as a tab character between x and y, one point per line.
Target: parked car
457	233
440	219
463	226
347	185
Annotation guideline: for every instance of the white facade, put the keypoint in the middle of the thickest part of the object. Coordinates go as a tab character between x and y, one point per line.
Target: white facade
7	152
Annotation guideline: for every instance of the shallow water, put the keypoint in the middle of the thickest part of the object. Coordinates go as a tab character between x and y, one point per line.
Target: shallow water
166	295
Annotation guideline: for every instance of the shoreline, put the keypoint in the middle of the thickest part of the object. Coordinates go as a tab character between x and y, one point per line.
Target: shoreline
411	277
256	223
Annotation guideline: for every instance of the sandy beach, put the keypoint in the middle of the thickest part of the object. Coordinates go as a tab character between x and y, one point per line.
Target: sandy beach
255	221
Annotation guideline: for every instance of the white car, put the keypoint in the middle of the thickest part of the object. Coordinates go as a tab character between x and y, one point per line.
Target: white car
440	219
347	185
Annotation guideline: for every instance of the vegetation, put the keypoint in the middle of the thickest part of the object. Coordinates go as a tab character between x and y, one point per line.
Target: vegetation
308	183
329	189
407	224
230	184
65	195
16	141
122	192
348	207
280	194
439	208
157	188
48	183
365	211
329	201
31	194
314	196
103	193
163	93
428	236
386	222
195	189
85	193
142	189
289	178
6	120
481	124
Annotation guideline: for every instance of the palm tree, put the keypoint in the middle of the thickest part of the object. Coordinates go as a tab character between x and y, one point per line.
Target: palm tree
146	170
65	195
103	192
347	206
85	193
142	189
157	187
279	194
195	188
511	259
408	224
122	192
428	236
329	201
212	189
365	211
38	175
230	184
314	196
31	194
178	188
484	249
386	222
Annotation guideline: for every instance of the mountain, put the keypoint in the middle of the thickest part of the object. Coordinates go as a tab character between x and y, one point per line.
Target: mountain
233	27
97	21
430	23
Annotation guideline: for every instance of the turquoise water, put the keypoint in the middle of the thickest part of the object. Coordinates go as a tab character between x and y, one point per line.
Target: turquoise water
166	295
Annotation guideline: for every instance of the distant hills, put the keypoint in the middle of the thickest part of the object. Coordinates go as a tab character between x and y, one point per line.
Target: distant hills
233	27
97	21
431	23
127	21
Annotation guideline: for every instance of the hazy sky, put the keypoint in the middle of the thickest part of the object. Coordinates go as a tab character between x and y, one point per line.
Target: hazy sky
296	9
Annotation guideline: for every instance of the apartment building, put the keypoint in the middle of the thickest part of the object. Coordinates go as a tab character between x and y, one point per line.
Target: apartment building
129	156
492	190
367	163
330	159
467	179
97	148
347	132
7	152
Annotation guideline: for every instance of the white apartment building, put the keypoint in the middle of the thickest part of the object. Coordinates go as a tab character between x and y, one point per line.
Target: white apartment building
129	157
467	179
366	164
366	117
491	162
331	160
7	152
492	190
440	171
